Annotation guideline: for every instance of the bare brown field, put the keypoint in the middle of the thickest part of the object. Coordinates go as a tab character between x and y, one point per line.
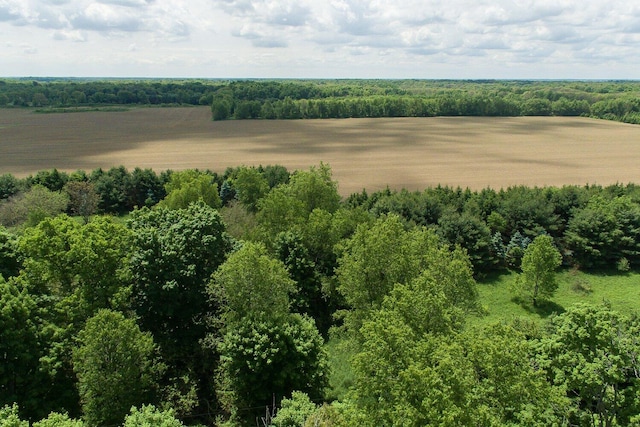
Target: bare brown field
413	153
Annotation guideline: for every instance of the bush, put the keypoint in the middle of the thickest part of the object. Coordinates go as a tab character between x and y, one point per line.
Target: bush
150	416
9	417
294	411
56	419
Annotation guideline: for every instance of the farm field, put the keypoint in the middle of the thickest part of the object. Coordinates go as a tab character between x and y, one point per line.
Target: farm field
413	153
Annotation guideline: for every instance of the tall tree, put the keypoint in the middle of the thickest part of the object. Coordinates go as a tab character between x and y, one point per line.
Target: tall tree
115	366
539	263
266	351
175	252
20	349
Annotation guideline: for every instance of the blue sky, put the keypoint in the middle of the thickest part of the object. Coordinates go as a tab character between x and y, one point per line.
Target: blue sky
521	39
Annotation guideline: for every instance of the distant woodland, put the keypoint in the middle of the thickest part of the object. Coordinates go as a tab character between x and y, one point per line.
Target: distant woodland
316	99
259	296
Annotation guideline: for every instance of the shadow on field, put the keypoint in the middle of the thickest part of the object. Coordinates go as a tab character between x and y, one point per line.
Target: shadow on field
543	309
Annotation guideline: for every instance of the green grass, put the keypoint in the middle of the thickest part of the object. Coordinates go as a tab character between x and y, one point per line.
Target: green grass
340	352
621	290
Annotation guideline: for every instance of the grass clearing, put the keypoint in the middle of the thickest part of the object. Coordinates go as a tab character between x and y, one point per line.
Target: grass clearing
620	290
412	153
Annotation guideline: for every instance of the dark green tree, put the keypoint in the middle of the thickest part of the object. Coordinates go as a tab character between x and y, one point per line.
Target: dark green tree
175	252
20	348
266	351
83	198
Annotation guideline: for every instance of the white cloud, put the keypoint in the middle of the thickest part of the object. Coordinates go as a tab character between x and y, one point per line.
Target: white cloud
412	38
72	35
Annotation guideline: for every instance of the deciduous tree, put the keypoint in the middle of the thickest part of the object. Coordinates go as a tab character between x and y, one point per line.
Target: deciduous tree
539	263
592	351
116	368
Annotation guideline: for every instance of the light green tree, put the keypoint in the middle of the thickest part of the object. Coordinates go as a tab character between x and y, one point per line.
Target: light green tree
32	206
294	411
116	368
188	186
539	263
252	284
250	186
380	256
9	417
57	419
150	416
592	351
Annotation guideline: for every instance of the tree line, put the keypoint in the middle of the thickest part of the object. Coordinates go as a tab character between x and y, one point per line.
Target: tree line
213	300
318	99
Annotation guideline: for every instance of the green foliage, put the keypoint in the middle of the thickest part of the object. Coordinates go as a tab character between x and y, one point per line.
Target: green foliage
592	351
472	234
64	258
32	206
538	279
301	267
56	419
278	211
188	186
175	252
112	186
115	367
261	359
290	206
605	231
19	348
83	198
294	411
405	377
9	257
378	257
150	416
250	186
265	350
9	417
52	180
315	189
9	186
252	285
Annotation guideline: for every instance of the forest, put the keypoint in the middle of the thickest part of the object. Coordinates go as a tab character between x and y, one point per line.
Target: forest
316	99
194	297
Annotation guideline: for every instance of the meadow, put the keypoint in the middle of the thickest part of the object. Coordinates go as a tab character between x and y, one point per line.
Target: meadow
412	153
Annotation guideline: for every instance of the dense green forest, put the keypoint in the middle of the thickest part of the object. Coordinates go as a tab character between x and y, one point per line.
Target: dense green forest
202	298
296	99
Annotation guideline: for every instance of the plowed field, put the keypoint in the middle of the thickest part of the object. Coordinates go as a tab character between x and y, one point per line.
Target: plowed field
364	153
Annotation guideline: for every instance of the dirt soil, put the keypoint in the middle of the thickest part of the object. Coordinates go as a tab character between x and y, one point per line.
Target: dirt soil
413	153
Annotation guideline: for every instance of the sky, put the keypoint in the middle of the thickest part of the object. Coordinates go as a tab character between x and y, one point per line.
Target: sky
421	39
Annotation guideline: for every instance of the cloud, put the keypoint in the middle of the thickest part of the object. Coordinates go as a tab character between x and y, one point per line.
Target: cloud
72	35
104	17
127	3
369	35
